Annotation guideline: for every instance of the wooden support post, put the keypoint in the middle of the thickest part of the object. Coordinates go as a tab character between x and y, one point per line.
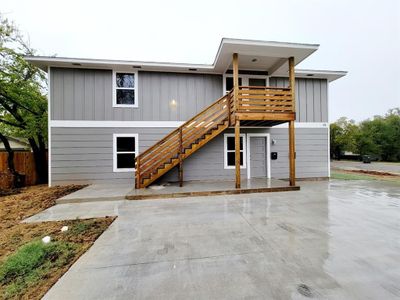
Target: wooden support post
292	153
237	153
292	82
180	158
292	158
235	64
137	173
229	110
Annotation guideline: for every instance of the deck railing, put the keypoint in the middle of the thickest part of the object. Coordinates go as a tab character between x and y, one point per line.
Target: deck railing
264	99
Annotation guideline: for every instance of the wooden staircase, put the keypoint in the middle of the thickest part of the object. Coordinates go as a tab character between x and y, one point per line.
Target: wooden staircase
174	148
249	105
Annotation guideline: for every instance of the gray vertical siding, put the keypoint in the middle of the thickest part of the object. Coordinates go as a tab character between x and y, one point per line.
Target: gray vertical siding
84	155
311	98
82	94
311	152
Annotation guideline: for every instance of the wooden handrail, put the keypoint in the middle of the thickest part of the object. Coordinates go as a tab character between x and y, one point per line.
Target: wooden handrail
173	144
164	143
265	87
177	129
170	146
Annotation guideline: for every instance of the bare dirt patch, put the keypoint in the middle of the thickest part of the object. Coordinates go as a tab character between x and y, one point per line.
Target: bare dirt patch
81	234
375	173
25	202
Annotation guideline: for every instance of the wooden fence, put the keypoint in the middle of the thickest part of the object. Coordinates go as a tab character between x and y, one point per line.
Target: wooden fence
24	164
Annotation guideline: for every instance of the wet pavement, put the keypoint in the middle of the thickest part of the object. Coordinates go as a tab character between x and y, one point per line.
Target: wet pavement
330	240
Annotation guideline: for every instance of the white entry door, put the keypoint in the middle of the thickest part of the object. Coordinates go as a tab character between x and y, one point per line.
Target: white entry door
258	155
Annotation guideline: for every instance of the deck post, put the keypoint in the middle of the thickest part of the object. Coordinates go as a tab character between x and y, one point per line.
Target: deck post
292	158
137	173
292	83
235	64
180	158
237	153
292	153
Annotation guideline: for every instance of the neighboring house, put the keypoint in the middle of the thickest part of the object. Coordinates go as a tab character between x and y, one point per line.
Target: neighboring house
104	113
16	145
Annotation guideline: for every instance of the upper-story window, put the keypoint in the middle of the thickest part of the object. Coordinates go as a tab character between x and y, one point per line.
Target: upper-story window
125	89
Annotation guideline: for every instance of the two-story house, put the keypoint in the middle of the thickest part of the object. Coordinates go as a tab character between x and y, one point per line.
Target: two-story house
249	114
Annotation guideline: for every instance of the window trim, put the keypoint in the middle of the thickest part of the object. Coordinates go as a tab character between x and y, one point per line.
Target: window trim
115	88
245	80
243	136
117	135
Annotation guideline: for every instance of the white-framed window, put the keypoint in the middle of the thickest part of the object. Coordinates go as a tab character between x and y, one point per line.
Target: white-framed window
229	151
125	149
125	91
245	80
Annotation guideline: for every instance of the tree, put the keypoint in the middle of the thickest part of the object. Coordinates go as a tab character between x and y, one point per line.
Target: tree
23	102
379	136
342	137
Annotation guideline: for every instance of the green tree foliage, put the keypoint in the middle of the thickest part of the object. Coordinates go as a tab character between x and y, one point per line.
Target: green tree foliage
23	102
379	136
342	136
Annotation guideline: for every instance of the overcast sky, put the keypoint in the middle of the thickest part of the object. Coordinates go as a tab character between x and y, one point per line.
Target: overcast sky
358	36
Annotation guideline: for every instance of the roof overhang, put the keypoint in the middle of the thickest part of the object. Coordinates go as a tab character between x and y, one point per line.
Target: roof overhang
261	55
253	55
317	74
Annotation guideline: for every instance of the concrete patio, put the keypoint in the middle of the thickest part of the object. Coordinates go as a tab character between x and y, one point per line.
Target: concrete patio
108	192
330	240
207	188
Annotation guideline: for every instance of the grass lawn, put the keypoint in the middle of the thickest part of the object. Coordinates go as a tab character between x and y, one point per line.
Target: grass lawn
355	175
28	267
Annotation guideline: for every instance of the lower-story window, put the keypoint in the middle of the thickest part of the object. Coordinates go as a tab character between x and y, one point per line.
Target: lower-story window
229	151
125	149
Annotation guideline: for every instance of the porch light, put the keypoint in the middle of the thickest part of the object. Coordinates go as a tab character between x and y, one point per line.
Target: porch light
137	67
254	60
310	75
173	102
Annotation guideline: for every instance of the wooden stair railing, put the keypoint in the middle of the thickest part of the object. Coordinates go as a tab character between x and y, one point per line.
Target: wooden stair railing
183	141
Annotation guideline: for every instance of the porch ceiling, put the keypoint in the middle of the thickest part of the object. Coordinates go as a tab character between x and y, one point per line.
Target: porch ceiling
261	55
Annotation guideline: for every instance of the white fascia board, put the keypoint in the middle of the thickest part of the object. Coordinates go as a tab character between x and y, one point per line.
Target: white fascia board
43	62
127	124
221	62
330	75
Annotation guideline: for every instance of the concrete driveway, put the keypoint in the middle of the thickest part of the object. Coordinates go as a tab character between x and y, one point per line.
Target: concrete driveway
337	240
